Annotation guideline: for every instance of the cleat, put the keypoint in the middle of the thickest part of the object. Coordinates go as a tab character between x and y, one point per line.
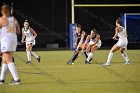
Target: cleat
70	62
13	82
1	82
106	64
91	59
38	59
87	62
127	62
28	62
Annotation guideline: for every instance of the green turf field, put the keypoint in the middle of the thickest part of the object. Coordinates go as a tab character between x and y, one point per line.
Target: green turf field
52	75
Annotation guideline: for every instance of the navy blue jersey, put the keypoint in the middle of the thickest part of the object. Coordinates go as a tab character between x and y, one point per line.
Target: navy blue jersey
79	37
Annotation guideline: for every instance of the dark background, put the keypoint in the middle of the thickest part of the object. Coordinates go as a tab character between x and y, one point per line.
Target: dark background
51	19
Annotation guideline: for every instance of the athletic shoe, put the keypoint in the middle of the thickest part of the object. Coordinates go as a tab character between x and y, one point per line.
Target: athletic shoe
1	82
38	59
91	59
127	62
87	62
28	62
106	64
70	62
13	82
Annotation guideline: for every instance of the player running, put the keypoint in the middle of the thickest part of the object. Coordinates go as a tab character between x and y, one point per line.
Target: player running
80	38
30	35
9	29
91	44
121	44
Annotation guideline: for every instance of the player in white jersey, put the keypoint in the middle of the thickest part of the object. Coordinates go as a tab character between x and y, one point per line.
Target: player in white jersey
9	29
30	35
91	44
121	44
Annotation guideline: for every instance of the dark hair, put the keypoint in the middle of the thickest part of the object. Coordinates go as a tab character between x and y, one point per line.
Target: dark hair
94	30
119	21
5	6
79	26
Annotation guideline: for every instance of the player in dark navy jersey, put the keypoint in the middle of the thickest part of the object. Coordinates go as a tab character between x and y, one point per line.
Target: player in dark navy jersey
80	36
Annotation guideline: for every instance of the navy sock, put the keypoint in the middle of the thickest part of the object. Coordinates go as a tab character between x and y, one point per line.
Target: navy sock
75	55
86	54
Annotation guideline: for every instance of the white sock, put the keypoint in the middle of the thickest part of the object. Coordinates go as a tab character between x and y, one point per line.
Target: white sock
89	56
3	71
34	55
109	57
29	55
87	53
13	71
124	55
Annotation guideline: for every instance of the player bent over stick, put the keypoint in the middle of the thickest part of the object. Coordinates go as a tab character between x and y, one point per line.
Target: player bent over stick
9	29
30	35
121	44
80	37
91	44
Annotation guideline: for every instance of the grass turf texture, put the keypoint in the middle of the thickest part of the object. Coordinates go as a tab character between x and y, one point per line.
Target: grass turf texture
52	75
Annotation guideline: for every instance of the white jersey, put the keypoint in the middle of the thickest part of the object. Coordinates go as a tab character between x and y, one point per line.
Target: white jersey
122	34
122	42
8	36
92	40
27	32
29	36
9	29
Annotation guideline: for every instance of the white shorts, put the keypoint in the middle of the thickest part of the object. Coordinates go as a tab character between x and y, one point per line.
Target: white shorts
99	43
122	43
9	43
30	41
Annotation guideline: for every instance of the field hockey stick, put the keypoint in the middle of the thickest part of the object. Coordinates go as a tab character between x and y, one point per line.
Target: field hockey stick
12	5
20	43
81	52
115	38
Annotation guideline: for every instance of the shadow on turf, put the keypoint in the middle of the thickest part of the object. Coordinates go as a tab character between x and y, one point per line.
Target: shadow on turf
42	72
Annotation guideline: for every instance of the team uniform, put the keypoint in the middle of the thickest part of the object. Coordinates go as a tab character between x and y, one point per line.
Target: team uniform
92	40
29	40
8	36
29	36
122	42
79	48
8	44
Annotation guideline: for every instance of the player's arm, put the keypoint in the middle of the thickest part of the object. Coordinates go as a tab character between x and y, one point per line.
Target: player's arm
87	39
76	39
0	23
96	40
17	26
83	36
23	36
116	33
85	43
33	32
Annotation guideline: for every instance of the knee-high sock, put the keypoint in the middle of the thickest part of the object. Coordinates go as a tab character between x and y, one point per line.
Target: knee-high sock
86	54
124	55
109	57
3	71
29	55
75	55
13	70
34	54
89	56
